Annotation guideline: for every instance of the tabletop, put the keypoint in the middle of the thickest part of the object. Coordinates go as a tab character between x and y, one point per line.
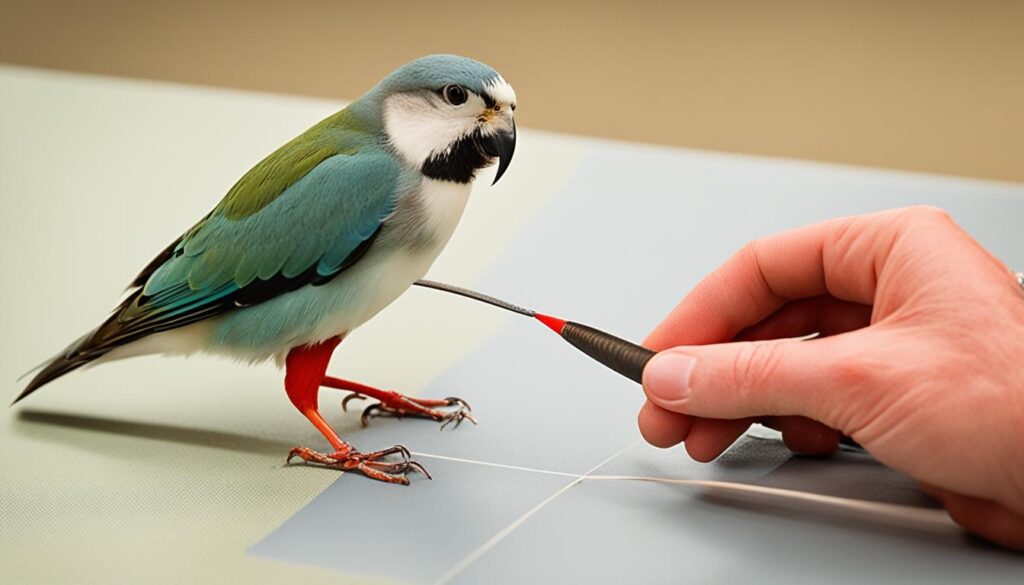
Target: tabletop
163	469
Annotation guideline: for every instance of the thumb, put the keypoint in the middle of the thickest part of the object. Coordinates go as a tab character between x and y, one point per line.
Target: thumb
825	379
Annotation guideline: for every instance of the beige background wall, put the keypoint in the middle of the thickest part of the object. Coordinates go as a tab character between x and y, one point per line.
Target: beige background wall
931	86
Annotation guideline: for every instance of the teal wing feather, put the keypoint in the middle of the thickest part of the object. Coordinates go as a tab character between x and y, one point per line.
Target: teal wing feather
306	235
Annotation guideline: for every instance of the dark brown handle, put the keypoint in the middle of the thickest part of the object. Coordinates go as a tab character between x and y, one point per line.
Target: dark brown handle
625	357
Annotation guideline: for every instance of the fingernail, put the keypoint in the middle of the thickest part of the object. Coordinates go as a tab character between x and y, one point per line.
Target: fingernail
667	376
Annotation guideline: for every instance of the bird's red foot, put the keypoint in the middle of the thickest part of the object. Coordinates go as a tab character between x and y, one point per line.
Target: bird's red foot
400	405
369	464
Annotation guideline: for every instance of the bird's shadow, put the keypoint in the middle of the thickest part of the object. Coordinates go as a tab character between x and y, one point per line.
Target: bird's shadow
28	422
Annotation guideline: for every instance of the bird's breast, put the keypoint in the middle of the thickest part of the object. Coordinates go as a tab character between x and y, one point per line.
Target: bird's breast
425	218
444	203
413	238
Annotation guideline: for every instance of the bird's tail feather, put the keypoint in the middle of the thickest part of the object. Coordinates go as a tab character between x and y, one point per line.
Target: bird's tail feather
68	360
35	368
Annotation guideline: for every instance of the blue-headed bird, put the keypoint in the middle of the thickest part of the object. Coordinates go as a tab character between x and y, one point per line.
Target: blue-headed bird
316	239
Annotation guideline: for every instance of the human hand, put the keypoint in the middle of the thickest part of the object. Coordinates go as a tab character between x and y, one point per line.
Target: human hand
921	358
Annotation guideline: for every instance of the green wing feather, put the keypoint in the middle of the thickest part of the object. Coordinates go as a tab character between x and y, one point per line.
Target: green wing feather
340	134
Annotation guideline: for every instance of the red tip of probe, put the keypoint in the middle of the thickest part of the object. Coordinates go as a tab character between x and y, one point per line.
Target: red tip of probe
553	323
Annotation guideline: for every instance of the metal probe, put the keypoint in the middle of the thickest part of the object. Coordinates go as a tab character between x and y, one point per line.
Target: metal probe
625	357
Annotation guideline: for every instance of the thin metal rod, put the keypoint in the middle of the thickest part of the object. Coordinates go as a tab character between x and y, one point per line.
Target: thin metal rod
472	294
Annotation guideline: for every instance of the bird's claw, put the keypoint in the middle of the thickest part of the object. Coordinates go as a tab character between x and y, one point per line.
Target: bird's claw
400	406
456	401
369	464
375	410
349	398
456	417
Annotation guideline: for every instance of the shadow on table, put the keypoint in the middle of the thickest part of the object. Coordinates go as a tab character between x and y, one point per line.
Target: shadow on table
31	421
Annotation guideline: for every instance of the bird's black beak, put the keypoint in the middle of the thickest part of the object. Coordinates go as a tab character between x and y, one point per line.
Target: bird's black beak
502	146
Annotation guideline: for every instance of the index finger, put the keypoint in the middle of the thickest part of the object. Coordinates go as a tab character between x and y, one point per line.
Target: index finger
837	257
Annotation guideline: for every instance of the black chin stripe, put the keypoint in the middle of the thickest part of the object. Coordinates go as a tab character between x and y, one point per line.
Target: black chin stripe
459	164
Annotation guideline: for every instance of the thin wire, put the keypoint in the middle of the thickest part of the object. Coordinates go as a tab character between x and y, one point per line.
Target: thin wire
494	540
903	511
492	464
472	294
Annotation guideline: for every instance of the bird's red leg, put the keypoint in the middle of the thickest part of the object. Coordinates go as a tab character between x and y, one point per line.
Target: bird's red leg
399	405
304	371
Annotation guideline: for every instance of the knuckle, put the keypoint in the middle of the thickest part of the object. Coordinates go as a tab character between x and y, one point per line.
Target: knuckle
854	394
756	247
750	258
751	251
929	213
852	373
754	365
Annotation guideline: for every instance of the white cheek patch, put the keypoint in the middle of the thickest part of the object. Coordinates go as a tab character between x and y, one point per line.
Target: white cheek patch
419	129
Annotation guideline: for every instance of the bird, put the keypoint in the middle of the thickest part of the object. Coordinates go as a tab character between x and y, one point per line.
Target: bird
315	240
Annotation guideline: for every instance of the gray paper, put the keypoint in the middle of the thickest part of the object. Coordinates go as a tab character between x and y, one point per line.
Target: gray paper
634	230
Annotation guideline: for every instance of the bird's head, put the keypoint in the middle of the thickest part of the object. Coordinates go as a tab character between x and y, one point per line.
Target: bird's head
449	116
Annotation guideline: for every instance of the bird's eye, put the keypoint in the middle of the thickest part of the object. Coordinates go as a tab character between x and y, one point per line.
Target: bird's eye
454	94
